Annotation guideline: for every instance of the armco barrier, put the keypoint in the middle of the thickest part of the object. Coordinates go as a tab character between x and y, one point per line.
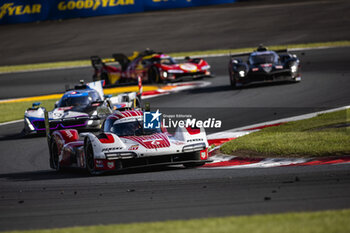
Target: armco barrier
23	11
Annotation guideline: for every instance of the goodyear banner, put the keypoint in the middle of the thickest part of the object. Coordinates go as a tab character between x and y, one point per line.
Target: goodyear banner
22	11
168	4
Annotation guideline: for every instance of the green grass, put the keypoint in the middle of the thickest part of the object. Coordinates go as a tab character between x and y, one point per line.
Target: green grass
312	137
67	64
15	111
336	221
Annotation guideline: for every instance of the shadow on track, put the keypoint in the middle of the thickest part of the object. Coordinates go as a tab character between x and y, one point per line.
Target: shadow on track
72	173
21	135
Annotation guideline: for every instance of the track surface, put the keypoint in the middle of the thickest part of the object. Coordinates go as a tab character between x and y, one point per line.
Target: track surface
32	197
236	25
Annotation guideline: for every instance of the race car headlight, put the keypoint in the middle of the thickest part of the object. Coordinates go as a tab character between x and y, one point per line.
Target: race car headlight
176	71
194	147
165	74
241	73
294	68
207	67
120	155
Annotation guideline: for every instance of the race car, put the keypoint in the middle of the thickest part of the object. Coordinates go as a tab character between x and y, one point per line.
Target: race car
126	143
263	66
84	107
153	67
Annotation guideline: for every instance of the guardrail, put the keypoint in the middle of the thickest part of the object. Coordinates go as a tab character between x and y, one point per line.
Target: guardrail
23	11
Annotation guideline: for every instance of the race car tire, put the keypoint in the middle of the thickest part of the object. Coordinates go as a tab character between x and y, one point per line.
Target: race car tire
232	80
54	155
153	75
89	157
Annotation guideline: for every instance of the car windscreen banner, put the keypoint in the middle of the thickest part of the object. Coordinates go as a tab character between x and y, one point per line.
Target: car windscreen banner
22	11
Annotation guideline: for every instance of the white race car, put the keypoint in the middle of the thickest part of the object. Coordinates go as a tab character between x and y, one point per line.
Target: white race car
125	143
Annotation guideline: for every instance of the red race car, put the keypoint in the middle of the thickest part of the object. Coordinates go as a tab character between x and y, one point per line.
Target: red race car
153	67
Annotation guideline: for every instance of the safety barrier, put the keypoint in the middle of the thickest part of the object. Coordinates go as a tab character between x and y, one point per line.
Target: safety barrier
22	11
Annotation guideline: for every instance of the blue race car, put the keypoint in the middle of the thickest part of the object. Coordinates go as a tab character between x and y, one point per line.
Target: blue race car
84	107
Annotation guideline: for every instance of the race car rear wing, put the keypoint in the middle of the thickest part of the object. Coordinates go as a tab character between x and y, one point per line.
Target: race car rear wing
97	62
247	54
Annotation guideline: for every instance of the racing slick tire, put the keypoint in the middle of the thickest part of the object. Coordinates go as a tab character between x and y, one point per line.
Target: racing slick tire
89	157
153	75
195	156
232	80
54	155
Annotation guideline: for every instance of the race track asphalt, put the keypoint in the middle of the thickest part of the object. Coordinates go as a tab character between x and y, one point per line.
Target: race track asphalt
228	26
32	196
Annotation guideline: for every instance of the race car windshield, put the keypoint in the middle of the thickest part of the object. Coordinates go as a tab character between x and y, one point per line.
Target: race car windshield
74	101
168	61
133	128
263	58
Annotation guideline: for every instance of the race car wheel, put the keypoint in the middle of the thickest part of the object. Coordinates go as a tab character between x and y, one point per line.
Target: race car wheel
232	80
89	157
54	156
153	75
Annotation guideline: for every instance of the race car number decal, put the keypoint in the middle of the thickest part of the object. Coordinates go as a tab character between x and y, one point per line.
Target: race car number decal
188	67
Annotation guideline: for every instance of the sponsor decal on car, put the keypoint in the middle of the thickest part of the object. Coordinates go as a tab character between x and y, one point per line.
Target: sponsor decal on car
110	164
134	147
188	67
204	154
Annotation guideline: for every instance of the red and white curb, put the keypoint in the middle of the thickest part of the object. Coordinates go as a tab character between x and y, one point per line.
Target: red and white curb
220	161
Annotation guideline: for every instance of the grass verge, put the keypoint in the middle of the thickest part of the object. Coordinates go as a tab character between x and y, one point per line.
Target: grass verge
316	222
82	63
324	135
15	111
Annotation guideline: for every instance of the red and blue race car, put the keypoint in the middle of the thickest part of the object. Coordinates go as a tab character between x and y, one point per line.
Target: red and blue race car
153	67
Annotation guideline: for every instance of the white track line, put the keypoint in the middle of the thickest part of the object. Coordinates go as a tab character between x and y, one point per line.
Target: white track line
10	122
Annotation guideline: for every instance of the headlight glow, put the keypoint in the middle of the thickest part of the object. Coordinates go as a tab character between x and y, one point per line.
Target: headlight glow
194	147
176	71
294	68
241	73
165	74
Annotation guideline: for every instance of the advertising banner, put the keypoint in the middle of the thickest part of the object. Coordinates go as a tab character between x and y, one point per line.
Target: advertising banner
22	11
